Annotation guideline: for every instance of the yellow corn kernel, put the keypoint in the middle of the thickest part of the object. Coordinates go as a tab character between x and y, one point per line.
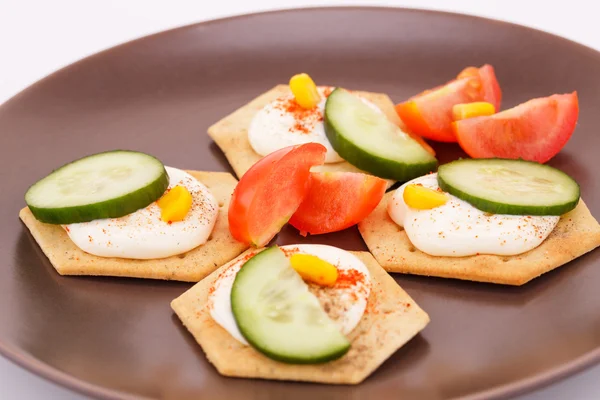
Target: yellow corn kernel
470	110
422	198
305	91
313	269
175	204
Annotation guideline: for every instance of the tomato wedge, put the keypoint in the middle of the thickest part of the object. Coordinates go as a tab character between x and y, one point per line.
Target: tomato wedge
270	191
336	201
429	114
536	130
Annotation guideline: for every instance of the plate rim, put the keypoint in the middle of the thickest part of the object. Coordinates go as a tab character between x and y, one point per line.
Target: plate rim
517	387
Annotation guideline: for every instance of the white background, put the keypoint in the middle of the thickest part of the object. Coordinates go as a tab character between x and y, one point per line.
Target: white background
38	37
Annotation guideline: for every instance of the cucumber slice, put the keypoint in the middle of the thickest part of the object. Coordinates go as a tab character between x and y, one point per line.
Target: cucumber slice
279	316
371	142
516	187
104	185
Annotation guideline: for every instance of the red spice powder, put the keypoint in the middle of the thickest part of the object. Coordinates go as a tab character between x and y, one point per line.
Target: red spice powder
290	251
299	127
371	307
349	278
305	119
291	106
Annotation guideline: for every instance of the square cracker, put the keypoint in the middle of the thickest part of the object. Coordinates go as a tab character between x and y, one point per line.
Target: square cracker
576	233
391	320
68	259
231	133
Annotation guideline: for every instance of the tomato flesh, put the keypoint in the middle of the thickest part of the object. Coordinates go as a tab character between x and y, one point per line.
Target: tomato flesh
536	130
429	114
336	201
491	87
270	192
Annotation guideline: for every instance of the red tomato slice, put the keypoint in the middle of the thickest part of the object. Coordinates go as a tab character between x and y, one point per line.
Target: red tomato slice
491	87
336	201
536	130
270	191
429	114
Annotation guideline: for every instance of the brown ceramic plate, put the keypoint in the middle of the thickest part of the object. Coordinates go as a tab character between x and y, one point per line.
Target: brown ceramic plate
117	337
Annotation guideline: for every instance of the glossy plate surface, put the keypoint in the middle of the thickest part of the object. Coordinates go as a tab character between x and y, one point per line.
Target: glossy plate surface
117	337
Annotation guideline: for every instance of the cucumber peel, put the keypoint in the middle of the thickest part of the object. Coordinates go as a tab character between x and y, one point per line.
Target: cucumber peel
279	316
104	185
507	186
368	140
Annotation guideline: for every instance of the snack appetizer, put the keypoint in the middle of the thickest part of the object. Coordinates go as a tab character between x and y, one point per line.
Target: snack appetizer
359	130
311	313
123	213
490	220
280	188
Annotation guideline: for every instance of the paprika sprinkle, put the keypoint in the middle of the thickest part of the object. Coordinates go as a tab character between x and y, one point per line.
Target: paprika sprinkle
349	278
305	119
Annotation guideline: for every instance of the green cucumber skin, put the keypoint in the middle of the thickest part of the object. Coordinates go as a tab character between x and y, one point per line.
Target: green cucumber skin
493	207
308	361
113	208
368	162
247	268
